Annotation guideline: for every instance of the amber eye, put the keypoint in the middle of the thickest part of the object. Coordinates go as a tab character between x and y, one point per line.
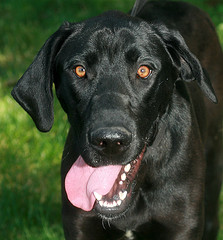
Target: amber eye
80	71
143	72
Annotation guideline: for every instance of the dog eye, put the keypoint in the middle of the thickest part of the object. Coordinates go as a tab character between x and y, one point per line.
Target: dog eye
144	72
80	71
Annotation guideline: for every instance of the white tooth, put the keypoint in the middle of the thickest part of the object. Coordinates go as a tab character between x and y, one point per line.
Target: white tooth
114	203
105	204
123	177
101	203
121	182
98	196
119	202
127	167
109	205
125	194
122	195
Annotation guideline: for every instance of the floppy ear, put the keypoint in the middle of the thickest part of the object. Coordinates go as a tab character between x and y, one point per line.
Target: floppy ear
34	89
188	65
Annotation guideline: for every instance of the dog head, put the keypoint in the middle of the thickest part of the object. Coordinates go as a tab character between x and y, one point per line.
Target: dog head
114	76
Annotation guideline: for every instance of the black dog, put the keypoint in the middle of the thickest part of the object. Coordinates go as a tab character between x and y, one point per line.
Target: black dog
143	155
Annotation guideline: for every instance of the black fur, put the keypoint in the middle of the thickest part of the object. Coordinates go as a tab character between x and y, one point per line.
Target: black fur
175	193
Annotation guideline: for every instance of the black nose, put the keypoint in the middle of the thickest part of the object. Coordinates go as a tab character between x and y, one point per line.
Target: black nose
111	140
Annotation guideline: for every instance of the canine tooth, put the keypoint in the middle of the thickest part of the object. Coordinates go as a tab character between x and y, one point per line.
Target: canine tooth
122	195
98	196
123	177
127	167
101	203
121	182
119	202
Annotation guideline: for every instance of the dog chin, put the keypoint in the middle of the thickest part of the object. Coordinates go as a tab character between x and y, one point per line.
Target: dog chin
123	193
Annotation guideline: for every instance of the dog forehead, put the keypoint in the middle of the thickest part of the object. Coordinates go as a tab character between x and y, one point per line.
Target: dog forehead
104	30
113	34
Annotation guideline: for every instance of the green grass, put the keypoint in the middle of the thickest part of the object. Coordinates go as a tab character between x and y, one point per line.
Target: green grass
29	181
30	201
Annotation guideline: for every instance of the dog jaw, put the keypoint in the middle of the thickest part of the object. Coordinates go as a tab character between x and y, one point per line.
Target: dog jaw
116	201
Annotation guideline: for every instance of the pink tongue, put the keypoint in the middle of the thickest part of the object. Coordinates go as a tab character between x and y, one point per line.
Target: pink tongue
82	181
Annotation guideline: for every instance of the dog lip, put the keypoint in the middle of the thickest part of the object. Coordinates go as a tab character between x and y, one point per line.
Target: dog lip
117	198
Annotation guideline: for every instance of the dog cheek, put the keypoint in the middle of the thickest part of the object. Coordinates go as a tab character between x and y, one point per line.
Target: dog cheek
154	108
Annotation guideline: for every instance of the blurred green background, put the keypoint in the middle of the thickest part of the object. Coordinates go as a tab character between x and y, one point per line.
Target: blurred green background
30	204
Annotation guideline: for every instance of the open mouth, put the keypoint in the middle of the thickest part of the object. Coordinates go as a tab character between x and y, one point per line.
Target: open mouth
107	189
122	189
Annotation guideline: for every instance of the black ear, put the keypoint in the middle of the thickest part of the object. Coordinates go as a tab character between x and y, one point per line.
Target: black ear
34	89
138	6
188	65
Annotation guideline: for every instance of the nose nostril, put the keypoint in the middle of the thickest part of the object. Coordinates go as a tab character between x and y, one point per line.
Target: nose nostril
102	143
119	143
110	140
